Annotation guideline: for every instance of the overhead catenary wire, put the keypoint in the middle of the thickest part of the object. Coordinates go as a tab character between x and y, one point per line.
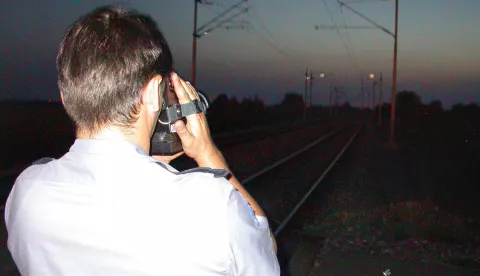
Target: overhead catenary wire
364	1
273	42
269	41
234	24
260	22
197	31
350	56
349	41
228	19
219	16
246	26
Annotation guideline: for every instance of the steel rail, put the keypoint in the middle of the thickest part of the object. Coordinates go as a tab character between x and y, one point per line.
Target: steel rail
319	180
287	158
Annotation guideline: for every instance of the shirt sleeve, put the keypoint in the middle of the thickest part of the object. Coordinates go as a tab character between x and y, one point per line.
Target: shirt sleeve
251	246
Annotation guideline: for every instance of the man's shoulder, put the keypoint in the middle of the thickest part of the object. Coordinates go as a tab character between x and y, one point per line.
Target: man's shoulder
196	184
216	173
201	180
37	167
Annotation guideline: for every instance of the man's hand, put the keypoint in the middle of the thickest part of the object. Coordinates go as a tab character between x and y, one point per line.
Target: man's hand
168	158
195	135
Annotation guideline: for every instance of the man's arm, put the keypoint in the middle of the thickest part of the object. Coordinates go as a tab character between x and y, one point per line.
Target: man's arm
198	144
251	249
218	162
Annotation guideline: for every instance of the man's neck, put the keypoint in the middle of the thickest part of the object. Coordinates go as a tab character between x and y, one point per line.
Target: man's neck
117	134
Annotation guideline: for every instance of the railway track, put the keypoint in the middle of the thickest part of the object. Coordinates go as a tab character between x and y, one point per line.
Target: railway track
226	140
287	183
284	187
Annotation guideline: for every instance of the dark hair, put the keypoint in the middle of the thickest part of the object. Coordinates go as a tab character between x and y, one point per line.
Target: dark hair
105	60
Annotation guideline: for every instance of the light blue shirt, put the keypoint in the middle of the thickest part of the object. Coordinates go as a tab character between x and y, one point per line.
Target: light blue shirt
107	208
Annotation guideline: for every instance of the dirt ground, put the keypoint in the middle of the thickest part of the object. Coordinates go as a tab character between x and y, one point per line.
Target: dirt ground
394	211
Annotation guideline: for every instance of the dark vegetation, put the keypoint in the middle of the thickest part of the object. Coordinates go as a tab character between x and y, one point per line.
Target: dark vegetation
448	143
30	130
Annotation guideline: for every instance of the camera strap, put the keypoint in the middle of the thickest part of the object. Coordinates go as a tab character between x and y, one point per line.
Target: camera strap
177	111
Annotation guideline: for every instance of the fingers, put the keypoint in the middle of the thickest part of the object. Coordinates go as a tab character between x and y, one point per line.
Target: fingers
185	91
185	136
185	94
182	94
195	135
191	88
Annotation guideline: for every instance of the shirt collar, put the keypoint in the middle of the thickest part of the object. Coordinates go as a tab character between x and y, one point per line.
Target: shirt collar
98	146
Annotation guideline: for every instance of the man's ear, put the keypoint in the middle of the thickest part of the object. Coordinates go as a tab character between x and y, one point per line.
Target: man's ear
151	95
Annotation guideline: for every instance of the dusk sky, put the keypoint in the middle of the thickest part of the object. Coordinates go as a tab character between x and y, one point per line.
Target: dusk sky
438	56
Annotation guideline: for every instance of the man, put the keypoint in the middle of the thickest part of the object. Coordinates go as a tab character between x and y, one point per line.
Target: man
108	208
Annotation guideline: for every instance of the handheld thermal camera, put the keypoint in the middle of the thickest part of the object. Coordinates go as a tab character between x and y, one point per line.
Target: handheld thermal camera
165	140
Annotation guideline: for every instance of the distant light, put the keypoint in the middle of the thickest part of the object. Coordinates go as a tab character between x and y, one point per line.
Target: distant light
205	33
372	76
322	75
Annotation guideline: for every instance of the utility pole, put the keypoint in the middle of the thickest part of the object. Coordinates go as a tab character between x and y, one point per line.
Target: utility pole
305	95
380	103
362	91
330	90
373	98
310	100
394	80
194	46
336	101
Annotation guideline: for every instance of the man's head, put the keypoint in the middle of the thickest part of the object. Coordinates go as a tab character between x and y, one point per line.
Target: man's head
105	62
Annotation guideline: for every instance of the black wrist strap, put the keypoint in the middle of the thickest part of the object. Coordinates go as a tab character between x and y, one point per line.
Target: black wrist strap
177	111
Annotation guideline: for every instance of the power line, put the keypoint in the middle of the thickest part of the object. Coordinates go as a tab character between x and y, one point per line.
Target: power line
221	19
243	24
257	18
351	56
272	42
348	37
198	32
364	1
366	18
394	70
269	41
221	23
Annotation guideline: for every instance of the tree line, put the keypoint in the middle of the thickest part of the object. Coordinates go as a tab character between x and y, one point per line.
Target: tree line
227	114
